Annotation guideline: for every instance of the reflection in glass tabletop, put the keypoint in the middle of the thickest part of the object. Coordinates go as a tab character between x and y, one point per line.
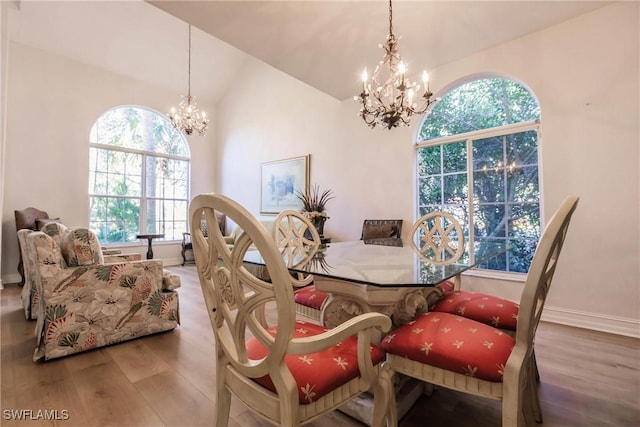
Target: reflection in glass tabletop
382	264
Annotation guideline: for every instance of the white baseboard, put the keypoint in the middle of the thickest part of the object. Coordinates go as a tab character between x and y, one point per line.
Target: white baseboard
596	322
11	278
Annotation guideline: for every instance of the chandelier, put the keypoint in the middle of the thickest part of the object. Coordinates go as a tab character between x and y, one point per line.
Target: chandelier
188	118
388	100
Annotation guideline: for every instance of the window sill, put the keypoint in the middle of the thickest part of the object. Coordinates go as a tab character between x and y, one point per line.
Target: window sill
497	275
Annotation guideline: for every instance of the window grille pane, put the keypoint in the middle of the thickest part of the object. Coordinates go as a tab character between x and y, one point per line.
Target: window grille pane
524	221
430	190
454	157
114	219
455	189
490	221
521	254
429	160
522	148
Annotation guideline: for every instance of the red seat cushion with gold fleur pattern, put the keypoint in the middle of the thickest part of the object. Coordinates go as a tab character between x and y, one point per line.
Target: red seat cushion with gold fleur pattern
488	309
453	343
311	297
316	374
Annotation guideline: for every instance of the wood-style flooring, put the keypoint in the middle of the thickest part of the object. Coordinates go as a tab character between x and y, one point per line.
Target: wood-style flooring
587	378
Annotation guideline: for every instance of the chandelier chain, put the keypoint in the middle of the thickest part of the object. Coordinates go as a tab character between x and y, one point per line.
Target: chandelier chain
390	19
189	81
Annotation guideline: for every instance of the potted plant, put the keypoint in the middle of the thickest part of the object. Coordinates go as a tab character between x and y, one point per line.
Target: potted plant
314	204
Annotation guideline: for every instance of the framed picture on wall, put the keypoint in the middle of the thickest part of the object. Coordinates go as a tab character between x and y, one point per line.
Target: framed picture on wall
281	180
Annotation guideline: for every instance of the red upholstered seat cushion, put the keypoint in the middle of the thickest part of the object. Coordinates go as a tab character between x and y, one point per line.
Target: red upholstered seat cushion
316	374
488	309
453	343
311	297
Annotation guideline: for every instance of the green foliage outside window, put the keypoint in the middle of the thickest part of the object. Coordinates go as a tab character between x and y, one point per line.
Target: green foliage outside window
139	176
490	183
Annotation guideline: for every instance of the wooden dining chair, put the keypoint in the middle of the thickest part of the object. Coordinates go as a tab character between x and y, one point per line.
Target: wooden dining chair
438	237
465	355
381	229
298	242
287	371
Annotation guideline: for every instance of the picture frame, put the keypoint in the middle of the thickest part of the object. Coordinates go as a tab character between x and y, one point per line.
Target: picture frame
280	180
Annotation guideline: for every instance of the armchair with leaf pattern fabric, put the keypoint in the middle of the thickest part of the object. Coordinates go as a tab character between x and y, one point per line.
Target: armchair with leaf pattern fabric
86	304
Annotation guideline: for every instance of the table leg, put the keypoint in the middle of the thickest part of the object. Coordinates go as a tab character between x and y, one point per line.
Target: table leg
149	250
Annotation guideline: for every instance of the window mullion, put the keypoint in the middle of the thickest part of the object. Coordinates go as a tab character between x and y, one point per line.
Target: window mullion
143	193
470	198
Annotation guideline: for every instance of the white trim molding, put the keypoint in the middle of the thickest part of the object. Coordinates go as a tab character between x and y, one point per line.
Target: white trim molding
611	324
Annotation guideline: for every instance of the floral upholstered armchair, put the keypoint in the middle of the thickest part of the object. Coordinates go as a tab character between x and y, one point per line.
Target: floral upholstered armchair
56	230
85	304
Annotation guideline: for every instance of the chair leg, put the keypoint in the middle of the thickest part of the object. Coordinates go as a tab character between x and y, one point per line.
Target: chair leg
535	366
223	402
428	389
384	402
532	386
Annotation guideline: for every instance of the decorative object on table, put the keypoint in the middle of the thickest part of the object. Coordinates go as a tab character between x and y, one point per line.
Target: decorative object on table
388	100
314	204
188	118
319	263
281	180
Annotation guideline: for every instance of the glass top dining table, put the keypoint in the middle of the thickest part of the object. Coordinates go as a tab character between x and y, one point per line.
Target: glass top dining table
385	263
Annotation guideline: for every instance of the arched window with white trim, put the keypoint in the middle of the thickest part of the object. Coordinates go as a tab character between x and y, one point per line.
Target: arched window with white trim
478	159
138	176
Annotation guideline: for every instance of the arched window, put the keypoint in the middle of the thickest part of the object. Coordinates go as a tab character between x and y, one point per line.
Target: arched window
138	176
477	158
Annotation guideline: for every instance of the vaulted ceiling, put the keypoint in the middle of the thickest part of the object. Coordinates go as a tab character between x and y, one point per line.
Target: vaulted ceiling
327	43
323	43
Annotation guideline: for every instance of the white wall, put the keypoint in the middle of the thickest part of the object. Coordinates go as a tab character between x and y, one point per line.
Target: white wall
52	104
585	74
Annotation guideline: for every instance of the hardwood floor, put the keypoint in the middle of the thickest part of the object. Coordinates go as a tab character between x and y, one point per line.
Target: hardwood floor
588	378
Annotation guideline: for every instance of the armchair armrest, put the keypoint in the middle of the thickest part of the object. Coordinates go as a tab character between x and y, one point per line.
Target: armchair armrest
120	258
